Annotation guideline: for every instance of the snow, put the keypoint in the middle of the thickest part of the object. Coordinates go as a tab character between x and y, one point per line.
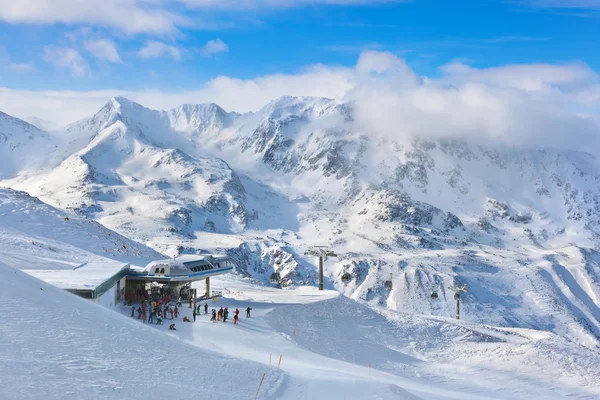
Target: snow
333	347
66	250
518	226
64	347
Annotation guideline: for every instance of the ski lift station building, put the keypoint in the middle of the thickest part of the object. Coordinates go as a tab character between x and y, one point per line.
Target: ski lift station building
113	281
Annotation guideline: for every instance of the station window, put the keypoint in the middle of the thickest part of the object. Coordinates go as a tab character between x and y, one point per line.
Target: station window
156	270
162	270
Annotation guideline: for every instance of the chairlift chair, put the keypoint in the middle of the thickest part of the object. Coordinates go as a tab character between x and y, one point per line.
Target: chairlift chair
434	295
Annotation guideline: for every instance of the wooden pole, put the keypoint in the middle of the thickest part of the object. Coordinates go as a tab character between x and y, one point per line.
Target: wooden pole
270	354
259	386
279	361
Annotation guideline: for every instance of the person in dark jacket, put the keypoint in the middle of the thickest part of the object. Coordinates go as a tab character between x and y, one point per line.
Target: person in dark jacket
248	312
194	314
213	318
225	314
205	308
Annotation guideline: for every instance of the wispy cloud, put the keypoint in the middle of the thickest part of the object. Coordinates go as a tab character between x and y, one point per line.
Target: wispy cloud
353	48
21	67
154	17
156	49
103	49
67	58
213	47
504	39
581	4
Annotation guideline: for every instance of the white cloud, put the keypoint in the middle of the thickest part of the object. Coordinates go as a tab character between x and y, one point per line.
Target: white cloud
21	67
130	16
529	77
103	49
265	4
213	47
534	104
67	58
582	4
159	49
156	17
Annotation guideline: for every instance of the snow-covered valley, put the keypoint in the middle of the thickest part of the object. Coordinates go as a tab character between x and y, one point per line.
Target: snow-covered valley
407	217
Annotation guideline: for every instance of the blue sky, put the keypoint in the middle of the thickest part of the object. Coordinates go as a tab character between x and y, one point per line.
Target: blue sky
171	51
265	39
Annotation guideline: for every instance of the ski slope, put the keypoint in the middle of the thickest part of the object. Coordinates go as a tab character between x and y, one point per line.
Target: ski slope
335	348
59	346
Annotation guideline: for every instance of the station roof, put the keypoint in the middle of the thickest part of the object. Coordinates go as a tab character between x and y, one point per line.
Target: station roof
87	276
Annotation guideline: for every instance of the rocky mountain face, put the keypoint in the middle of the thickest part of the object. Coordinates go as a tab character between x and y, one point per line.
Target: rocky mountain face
407	216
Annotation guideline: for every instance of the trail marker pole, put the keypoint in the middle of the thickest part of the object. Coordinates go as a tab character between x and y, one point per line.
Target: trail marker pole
278	364
259	386
270	354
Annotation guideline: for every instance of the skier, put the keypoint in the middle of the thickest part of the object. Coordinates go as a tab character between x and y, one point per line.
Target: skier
172	327
176	311
194	305
220	314
237	312
248	312
186	319
198	309
151	318
133	311
205	308
166	311
225	314
194	315
235	319
171	312
213	317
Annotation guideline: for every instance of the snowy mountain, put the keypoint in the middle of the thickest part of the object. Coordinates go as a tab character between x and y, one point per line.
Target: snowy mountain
21	145
408	216
34	235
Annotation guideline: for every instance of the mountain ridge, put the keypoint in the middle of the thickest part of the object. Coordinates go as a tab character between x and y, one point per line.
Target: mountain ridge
417	212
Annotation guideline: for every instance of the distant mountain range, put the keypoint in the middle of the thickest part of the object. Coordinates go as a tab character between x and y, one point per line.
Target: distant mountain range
407	216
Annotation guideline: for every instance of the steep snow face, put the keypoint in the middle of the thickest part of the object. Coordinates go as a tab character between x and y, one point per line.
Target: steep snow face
22	146
408	216
34	235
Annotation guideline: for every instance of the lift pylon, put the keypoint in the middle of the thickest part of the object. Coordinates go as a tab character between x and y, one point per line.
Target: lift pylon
321	252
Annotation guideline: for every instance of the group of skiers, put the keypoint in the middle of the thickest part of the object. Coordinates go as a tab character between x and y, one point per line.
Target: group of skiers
223	314
154	311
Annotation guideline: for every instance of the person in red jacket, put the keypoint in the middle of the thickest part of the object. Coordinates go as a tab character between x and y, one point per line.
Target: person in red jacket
171	311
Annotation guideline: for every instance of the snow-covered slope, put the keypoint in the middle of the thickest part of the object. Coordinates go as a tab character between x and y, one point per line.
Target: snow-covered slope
407	216
34	235
22	146
56	345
